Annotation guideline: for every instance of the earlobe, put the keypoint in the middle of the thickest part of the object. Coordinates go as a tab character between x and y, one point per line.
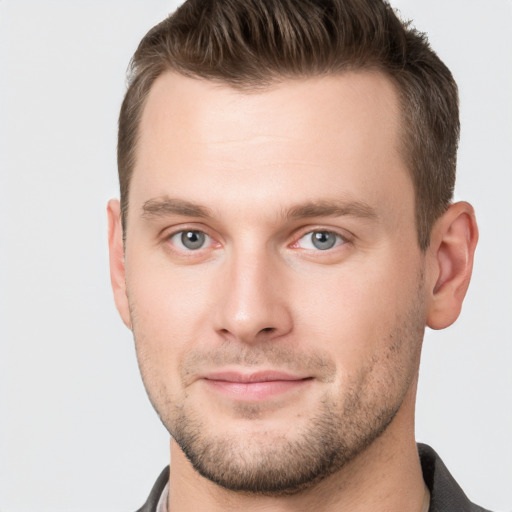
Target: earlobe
453	242
116	258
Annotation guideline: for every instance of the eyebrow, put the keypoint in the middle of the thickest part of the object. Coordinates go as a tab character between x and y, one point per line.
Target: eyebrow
165	206
333	209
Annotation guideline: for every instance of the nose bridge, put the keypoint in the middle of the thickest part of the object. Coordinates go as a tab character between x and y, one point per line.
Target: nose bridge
253	305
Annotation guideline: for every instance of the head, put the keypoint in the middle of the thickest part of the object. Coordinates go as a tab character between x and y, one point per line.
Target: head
286	173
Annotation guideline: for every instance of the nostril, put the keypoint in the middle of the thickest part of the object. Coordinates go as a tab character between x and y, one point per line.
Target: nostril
268	329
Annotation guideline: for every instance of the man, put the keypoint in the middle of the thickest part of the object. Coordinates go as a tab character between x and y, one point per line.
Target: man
285	233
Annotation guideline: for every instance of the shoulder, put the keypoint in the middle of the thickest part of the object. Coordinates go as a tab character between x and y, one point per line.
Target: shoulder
156	492
445	493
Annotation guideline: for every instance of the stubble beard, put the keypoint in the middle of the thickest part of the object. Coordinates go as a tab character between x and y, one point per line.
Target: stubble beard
343	426
274	464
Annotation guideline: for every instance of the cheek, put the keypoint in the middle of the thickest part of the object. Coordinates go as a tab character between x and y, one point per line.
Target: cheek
170	311
353	313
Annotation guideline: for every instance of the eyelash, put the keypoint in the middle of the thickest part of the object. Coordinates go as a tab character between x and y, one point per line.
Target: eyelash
182	232
339	240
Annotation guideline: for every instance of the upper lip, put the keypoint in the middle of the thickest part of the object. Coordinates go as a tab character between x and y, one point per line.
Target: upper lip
260	376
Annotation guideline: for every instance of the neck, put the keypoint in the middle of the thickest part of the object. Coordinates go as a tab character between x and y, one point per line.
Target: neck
385	477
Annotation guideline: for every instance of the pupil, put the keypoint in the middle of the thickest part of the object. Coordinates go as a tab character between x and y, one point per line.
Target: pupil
192	239
323	240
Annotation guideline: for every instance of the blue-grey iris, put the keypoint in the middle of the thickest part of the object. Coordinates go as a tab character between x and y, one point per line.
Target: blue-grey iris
323	240
193	239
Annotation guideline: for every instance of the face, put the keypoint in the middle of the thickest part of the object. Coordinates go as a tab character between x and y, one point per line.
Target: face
274	280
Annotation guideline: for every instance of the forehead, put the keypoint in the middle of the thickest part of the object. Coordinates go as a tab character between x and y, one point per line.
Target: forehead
294	107
294	140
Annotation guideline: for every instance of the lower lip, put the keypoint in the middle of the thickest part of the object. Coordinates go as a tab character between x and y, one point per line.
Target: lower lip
256	391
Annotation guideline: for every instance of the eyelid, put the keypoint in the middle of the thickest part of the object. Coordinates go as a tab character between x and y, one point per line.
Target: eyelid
301	233
169	233
175	238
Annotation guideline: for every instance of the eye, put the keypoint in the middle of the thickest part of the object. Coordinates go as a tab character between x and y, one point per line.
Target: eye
190	240
320	240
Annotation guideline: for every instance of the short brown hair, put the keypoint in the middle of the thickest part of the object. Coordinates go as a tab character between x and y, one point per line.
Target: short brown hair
249	44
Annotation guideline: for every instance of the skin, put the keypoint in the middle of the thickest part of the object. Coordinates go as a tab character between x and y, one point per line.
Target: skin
250	170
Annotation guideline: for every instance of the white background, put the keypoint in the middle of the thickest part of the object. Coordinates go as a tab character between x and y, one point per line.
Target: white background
77	432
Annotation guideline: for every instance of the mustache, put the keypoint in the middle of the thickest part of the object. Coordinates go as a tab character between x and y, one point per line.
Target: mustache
263	356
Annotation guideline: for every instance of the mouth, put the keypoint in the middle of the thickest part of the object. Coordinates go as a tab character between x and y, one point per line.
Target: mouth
254	387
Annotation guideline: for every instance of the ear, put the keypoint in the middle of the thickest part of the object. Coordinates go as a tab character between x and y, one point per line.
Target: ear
452	247
116	257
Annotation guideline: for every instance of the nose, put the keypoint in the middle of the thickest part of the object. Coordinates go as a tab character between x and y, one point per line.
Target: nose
253	305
